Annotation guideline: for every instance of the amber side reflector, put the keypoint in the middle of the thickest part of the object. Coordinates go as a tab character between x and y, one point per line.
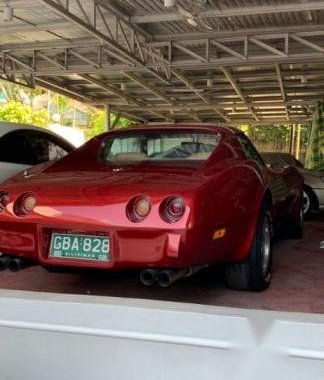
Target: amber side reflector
218	234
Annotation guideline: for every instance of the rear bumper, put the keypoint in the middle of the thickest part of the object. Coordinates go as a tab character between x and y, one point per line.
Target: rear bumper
129	248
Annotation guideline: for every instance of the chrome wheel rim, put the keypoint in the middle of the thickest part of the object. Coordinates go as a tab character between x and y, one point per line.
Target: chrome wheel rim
306	202
266	246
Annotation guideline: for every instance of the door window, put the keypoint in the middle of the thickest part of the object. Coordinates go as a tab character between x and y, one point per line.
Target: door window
30	147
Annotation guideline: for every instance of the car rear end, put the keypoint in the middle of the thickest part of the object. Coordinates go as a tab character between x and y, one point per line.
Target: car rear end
97	226
134	208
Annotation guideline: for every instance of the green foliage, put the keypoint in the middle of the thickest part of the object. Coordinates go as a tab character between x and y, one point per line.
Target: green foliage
97	123
21	100
12	92
62	104
16	93
269	137
276	138
269	132
20	113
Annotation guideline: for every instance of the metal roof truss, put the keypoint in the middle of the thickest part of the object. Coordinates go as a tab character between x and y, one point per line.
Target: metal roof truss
259	74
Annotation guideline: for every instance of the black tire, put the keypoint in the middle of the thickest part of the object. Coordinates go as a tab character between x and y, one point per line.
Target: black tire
309	202
254	273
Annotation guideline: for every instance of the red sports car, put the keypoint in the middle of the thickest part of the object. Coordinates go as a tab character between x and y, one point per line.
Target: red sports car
169	200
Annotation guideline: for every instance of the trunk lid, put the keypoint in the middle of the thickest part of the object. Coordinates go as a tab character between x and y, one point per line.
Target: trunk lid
107	185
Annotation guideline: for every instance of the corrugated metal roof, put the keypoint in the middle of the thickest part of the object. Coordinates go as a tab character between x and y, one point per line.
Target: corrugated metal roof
219	60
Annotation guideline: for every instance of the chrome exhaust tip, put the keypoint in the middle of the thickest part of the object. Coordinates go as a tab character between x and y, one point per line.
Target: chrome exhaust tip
167	277
164	278
148	276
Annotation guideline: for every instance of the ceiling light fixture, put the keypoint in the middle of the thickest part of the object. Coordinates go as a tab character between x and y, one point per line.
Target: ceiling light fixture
8	13
192	21
169	3
209	82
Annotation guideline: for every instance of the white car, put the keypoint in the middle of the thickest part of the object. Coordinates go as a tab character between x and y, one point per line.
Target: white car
23	146
314	180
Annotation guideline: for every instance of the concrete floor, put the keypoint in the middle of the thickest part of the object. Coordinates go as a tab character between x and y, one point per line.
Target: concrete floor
298	280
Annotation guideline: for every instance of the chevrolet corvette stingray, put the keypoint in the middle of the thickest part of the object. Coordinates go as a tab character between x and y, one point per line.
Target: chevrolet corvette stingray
168	200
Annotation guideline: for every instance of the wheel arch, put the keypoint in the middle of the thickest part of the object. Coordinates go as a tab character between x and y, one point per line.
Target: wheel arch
267	198
264	199
314	197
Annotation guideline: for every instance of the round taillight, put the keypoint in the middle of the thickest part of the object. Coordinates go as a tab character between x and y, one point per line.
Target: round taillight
172	209
138	208
4	201
29	203
24	204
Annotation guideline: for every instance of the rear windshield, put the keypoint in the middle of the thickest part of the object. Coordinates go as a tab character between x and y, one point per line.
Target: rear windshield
158	146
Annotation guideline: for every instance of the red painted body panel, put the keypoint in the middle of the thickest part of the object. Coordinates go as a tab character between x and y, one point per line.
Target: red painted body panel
81	194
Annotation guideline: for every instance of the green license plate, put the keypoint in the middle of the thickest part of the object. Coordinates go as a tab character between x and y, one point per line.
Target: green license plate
83	247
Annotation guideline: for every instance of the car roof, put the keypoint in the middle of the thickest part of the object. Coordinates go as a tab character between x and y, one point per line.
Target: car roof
7	126
178	126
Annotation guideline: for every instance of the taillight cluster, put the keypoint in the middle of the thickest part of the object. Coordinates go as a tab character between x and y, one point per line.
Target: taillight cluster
24	204
171	209
4	200
138	208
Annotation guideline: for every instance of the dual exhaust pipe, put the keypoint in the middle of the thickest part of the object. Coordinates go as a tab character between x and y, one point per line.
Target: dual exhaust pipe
148	277
14	264
167	277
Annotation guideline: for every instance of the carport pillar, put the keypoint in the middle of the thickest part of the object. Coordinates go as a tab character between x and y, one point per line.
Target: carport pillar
292	139
107	117
298	141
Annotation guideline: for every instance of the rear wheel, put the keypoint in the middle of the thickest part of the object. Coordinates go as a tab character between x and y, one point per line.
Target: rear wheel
255	272
295	226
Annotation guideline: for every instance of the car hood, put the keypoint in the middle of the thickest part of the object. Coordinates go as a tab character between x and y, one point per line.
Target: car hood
313	178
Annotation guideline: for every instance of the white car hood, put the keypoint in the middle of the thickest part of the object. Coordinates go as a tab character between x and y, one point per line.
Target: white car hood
8	170
313	178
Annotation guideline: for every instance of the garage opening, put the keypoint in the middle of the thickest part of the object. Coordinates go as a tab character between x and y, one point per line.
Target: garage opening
258	67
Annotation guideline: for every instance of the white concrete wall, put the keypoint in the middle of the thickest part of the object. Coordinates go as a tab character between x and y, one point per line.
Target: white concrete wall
50	336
